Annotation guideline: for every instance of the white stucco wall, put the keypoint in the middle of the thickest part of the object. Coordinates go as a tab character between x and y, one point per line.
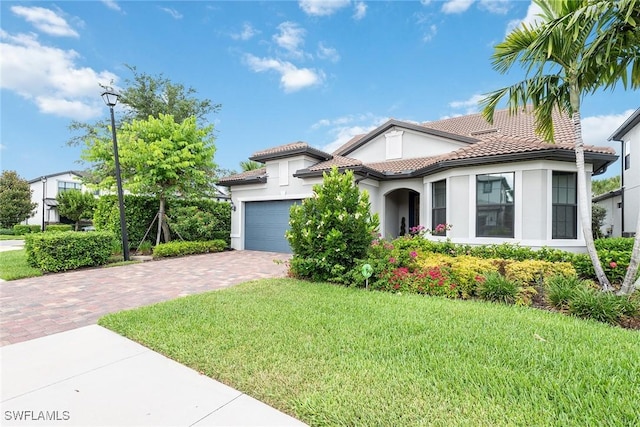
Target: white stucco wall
414	145
613	220
631	180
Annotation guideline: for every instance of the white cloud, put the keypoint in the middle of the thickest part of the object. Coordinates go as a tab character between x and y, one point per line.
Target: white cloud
174	13
50	77
329	53
292	78
342	129
495	6
360	10
430	33
322	7
597	129
247	32
531	19
456	6
290	37
469	105
45	20
112	4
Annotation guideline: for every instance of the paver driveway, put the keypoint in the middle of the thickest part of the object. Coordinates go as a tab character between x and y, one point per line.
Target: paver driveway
39	306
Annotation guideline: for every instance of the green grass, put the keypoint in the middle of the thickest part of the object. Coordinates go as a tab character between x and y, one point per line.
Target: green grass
330	355
13	265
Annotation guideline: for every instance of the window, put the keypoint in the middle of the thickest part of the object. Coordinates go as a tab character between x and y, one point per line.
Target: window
439	206
494	205
565	206
68	185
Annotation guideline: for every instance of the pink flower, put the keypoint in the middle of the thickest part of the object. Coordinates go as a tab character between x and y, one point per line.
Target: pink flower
413	254
392	260
613	264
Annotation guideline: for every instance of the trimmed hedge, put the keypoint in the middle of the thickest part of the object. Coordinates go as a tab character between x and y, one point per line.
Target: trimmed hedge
56	228
180	248
20	229
141	210
7	232
52	252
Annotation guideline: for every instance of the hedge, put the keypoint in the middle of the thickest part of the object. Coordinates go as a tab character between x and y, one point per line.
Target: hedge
180	248
20	229
140	212
52	252
56	228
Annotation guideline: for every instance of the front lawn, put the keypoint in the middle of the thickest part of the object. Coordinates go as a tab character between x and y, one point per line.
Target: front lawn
13	265
331	355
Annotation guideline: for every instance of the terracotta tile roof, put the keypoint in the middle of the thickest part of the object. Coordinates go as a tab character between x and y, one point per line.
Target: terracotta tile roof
290	149
350	143
521	125
281	149
338	161
244	177
403	165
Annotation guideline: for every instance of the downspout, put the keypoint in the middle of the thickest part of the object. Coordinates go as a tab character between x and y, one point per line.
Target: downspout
622	146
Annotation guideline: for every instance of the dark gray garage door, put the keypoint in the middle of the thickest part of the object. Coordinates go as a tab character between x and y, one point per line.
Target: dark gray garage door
265	224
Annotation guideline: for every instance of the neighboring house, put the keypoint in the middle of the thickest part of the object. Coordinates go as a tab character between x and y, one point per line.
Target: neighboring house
612	203
492	183
44	191
626	201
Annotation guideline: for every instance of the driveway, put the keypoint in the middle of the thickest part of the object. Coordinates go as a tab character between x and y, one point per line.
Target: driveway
40	306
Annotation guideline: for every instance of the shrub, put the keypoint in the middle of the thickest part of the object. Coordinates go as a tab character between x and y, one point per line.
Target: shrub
67	250
56	228
195	223
614	263
180	248
607	307
498	288
467	270
20	229
615	244
7	232
534	271
560	289
332	230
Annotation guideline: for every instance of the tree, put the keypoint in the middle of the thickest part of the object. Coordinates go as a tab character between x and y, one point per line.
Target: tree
15	199
147	95
331	230
250	165
565	59
598	214
605	185
76	205
158	157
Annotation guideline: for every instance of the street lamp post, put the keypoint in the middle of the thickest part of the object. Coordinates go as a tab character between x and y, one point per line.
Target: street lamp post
44	192
111	99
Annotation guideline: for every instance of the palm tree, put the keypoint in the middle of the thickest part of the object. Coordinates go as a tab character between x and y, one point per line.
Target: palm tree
576	50
250	165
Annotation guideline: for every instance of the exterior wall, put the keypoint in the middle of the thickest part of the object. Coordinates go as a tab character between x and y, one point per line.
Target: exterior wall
612	225
393	195
631	180
280	185
50	192
414	145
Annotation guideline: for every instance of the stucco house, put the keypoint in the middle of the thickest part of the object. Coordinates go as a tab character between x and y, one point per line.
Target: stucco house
623	204
492	183
44	191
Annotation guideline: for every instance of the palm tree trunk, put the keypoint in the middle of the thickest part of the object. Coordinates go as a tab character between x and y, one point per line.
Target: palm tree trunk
584	203
627	285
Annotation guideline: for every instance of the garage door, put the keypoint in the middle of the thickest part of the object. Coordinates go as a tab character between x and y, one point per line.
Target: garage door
265	224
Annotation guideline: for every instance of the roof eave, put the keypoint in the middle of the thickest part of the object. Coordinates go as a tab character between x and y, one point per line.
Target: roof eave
246	181
628	124
309	151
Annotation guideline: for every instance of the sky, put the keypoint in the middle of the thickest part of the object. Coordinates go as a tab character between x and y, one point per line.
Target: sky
283	71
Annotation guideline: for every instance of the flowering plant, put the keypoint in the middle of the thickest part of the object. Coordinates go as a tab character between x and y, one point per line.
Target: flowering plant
421	230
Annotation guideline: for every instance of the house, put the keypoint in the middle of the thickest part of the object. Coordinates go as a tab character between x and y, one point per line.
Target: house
44	191
492	183
623	205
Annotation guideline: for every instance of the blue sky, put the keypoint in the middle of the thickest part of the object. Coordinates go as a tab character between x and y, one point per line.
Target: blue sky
284	71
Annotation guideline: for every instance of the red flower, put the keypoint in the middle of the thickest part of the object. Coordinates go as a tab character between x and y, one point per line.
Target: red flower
613	264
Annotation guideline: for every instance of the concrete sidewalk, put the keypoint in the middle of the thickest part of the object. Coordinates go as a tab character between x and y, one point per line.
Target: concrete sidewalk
91	376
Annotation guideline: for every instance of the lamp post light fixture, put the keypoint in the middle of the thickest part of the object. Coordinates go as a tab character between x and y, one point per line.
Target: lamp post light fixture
111	99
44	192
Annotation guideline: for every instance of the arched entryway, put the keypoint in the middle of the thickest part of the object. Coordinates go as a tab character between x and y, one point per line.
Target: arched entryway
401	212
